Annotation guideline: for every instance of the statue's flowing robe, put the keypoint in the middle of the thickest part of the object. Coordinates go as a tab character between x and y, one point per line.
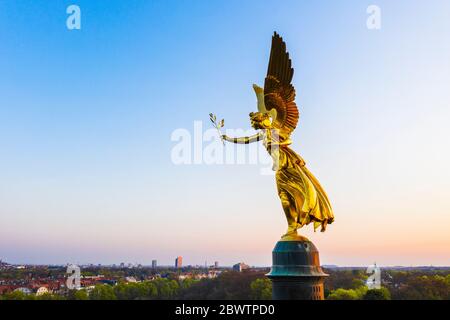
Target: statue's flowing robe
304	191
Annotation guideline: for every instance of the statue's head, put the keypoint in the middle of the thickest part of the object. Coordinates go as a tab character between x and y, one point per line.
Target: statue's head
260	120
259	98
258	90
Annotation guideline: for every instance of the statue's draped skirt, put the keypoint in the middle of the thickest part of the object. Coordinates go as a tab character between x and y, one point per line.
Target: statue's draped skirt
306	195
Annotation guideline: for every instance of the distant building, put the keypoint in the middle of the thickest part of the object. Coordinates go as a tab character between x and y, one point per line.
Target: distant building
330	266
198	276
111	282
239	267
154	264
216	264
179	262
41	291
131	279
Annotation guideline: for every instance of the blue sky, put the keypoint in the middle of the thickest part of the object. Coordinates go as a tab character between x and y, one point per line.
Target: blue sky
86	118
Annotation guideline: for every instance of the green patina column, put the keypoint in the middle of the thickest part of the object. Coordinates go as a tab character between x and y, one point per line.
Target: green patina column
296	273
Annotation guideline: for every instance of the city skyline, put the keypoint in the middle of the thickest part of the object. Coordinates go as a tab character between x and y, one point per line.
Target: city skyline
202	266
87	117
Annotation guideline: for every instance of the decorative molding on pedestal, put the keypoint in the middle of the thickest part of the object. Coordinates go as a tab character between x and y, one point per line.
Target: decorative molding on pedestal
296	273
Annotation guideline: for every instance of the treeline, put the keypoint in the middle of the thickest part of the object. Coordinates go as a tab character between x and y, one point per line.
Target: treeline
230	285
341	285
420	286
396	285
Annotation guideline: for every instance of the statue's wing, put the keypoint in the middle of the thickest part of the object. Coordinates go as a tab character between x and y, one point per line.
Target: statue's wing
279	94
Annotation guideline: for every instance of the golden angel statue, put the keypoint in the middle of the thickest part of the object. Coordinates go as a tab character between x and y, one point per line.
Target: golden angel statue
303	199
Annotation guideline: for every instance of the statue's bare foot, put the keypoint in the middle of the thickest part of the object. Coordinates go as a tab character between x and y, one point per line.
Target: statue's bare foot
292	230
289	234
292	235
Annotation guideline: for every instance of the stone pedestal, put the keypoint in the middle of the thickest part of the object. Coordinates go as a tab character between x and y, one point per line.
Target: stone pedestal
296	273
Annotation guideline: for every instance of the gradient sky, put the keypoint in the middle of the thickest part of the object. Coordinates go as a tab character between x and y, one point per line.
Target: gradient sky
86	118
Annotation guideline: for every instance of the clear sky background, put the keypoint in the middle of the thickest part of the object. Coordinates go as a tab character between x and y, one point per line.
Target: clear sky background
86	118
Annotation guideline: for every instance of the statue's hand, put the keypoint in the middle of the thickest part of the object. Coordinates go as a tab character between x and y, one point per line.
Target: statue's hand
224	137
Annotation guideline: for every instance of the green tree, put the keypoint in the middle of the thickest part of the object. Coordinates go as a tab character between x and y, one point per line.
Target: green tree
377	294
187	283
80	295
357	283
229	285
343	294
49	296
102	292
261	289
17	295
418	286
348	294
167	289
150	289
131	291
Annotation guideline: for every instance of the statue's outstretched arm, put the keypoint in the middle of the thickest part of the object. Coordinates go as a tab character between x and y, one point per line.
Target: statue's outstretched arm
244	140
